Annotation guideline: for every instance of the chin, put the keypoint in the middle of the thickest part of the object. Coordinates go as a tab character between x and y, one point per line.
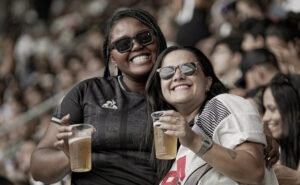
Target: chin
276	135
180	101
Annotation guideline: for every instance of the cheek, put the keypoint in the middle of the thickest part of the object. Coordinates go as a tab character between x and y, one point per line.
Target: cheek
277	117
154	47
154	56
115	56
199	86
200	92
164	88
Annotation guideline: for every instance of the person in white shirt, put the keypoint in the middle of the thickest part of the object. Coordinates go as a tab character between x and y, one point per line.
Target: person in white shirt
225	144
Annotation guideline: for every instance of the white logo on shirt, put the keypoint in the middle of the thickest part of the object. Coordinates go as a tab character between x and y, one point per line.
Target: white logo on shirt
110	104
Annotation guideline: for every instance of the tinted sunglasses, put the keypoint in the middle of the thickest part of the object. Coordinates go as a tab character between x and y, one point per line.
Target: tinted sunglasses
125	44
186	69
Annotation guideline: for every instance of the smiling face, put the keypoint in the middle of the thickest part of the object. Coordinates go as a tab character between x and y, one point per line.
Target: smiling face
221	59
245	11
184	91
272	115
136	63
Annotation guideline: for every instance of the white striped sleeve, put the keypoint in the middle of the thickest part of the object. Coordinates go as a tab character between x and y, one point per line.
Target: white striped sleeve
211	116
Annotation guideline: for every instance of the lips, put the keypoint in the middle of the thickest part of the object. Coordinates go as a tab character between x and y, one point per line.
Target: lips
273	126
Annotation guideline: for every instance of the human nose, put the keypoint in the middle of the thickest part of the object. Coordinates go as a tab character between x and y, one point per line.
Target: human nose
266	117
135	45
178	75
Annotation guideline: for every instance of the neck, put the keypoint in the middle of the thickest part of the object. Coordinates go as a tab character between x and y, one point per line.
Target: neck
188	112
135	85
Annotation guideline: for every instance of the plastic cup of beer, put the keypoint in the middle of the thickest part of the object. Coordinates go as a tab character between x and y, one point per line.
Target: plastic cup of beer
165	145
80	147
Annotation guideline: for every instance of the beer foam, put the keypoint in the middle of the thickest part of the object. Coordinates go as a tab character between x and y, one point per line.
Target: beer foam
78	138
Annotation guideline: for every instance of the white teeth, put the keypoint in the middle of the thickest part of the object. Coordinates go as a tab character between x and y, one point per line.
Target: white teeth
181	87
272	125
140	59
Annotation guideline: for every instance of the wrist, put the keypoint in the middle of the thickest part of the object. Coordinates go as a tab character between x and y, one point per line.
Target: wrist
205	146
192	142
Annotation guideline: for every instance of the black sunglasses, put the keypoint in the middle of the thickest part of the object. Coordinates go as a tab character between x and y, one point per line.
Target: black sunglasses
186	69
124	44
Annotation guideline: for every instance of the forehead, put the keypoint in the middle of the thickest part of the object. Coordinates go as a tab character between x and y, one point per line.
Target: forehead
222	48
178	57
274	40
126	27
248	36
268	96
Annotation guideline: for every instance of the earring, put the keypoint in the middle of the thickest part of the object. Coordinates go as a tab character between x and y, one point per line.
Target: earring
116	69
113	68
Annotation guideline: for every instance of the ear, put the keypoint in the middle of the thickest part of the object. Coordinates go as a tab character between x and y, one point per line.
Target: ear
236	59
111	59
113	67
258	72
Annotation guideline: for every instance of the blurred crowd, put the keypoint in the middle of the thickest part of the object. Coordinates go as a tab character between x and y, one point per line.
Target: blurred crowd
48	46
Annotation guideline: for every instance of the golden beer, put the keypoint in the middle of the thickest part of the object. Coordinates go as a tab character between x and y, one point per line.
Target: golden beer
80	154
165	145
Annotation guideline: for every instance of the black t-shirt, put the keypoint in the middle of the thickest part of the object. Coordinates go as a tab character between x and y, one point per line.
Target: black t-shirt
119	117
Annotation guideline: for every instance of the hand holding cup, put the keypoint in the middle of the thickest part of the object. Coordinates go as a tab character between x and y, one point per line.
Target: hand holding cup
165	145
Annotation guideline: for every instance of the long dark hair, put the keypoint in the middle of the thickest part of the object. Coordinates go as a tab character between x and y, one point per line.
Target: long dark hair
288	103
156	101
139	14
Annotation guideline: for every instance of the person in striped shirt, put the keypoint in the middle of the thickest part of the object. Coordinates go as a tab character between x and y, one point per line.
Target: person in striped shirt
221	135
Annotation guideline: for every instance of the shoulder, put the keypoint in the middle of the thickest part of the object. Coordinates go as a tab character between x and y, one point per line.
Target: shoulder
233	103
96	83
221	108
91	87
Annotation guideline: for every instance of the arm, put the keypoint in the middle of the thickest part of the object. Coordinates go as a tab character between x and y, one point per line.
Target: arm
244	163
286	175
49	161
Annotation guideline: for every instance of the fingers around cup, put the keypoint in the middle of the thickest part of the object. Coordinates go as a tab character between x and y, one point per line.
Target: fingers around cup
156	115
157	124
65	119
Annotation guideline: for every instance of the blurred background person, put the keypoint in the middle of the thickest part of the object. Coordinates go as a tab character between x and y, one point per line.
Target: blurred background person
250	9
253	31
282	111
226	57
192	22
282	38
258	67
